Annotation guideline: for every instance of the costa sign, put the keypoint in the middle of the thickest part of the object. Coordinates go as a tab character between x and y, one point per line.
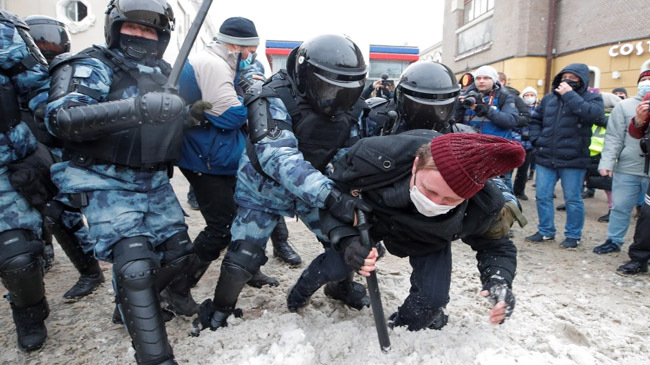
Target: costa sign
626	49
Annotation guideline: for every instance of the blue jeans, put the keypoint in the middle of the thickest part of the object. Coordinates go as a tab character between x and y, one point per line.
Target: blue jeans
571	180
625	191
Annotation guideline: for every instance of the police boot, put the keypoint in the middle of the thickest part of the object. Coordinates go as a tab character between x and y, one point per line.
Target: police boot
349	292
177	295
21	270
91	274
135	269
30	325
281	247
259	279
243	258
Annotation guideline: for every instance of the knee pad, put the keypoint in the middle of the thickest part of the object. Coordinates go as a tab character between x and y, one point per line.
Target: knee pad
135	265
246	255
208	248
176	247
21	267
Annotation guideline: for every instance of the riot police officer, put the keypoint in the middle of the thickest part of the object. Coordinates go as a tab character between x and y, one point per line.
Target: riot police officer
23	84
121	132
65	223
298	121
425	98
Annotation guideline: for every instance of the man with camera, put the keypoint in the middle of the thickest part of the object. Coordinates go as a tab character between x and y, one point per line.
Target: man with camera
486	107
383	88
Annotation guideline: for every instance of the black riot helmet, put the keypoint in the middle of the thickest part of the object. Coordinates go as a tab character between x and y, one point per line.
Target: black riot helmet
157	14
329	71
426	95
50	35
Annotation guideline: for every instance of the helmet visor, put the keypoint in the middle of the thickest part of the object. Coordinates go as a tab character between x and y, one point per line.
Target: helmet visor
152	13
331	97
420	113
50	39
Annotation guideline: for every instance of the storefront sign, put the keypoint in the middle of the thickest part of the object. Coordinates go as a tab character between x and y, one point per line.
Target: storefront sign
626	49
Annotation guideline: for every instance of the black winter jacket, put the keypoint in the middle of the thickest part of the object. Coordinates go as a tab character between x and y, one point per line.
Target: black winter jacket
560	127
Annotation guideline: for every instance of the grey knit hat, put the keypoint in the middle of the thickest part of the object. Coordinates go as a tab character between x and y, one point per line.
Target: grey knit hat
239	31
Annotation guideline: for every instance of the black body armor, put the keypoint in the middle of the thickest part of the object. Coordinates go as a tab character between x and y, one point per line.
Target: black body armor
139	145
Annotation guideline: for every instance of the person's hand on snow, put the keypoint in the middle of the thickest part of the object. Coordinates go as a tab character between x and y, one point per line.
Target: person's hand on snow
496	290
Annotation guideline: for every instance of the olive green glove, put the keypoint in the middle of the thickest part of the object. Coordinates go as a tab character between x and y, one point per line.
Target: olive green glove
196	112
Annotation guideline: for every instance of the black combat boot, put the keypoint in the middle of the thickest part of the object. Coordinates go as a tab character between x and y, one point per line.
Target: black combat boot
259	279
349	292
30	325
281	247
435	320
177	295
633	268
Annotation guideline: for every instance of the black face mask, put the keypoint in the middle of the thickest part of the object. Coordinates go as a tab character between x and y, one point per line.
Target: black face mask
138	48
575	85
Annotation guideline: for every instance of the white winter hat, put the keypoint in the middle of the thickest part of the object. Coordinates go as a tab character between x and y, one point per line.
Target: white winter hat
488	71
529	89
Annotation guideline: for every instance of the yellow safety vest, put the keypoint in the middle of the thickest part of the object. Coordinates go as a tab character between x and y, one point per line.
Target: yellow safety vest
597	140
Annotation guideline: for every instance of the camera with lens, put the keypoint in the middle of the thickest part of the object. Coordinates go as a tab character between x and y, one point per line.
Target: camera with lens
387	83
471	98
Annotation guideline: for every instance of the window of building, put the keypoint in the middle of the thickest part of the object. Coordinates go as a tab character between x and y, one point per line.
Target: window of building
76	14
475	8
594	77
475	37
76	10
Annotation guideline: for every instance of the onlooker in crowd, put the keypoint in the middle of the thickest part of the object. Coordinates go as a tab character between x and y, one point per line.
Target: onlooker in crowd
560	130
594	180
522	134
383	88
639	250
211	150
620	92
621	159
487	108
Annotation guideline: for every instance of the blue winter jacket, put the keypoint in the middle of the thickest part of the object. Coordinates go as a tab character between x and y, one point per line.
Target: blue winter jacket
215	146
560	128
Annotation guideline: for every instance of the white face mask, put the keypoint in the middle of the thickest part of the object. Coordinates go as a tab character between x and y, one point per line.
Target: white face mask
530	100
425	206
644	87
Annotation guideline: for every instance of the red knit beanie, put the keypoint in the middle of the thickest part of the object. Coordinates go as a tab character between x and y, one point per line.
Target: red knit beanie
467	160
643	74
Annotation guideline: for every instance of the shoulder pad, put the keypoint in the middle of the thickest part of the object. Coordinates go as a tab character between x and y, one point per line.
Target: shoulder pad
60	59
60	80
14	19
253	92
375	101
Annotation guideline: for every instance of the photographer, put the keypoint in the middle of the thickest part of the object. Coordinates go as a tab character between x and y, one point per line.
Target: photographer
383	88
486	107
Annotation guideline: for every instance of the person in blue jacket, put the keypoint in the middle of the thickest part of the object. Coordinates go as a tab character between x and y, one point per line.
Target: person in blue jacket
560	131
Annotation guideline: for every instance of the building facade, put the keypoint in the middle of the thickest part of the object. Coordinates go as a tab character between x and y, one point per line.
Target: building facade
391	60
531	41
85	20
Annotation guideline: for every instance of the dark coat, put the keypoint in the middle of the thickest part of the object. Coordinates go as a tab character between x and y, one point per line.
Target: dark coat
560	127
380	167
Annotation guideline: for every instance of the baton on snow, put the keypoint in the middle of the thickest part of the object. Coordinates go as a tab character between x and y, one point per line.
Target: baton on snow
373	287
184	52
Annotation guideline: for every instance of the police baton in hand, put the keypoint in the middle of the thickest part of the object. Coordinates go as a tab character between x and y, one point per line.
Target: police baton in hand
184	53
373	286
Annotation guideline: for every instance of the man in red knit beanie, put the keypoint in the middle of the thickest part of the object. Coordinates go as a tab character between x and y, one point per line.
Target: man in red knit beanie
423	190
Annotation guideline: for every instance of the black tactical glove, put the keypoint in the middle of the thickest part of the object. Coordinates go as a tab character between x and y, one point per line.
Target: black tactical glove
342	206
196	112
500	292
354	253
481	110
161	107
30	177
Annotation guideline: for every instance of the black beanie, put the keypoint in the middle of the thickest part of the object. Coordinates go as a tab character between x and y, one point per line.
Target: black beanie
239	31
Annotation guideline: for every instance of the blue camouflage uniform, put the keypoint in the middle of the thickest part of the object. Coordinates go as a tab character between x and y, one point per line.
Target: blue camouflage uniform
122	202
299	189
31	88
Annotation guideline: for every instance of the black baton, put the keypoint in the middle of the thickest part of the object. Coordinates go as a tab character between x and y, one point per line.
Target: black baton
373	288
